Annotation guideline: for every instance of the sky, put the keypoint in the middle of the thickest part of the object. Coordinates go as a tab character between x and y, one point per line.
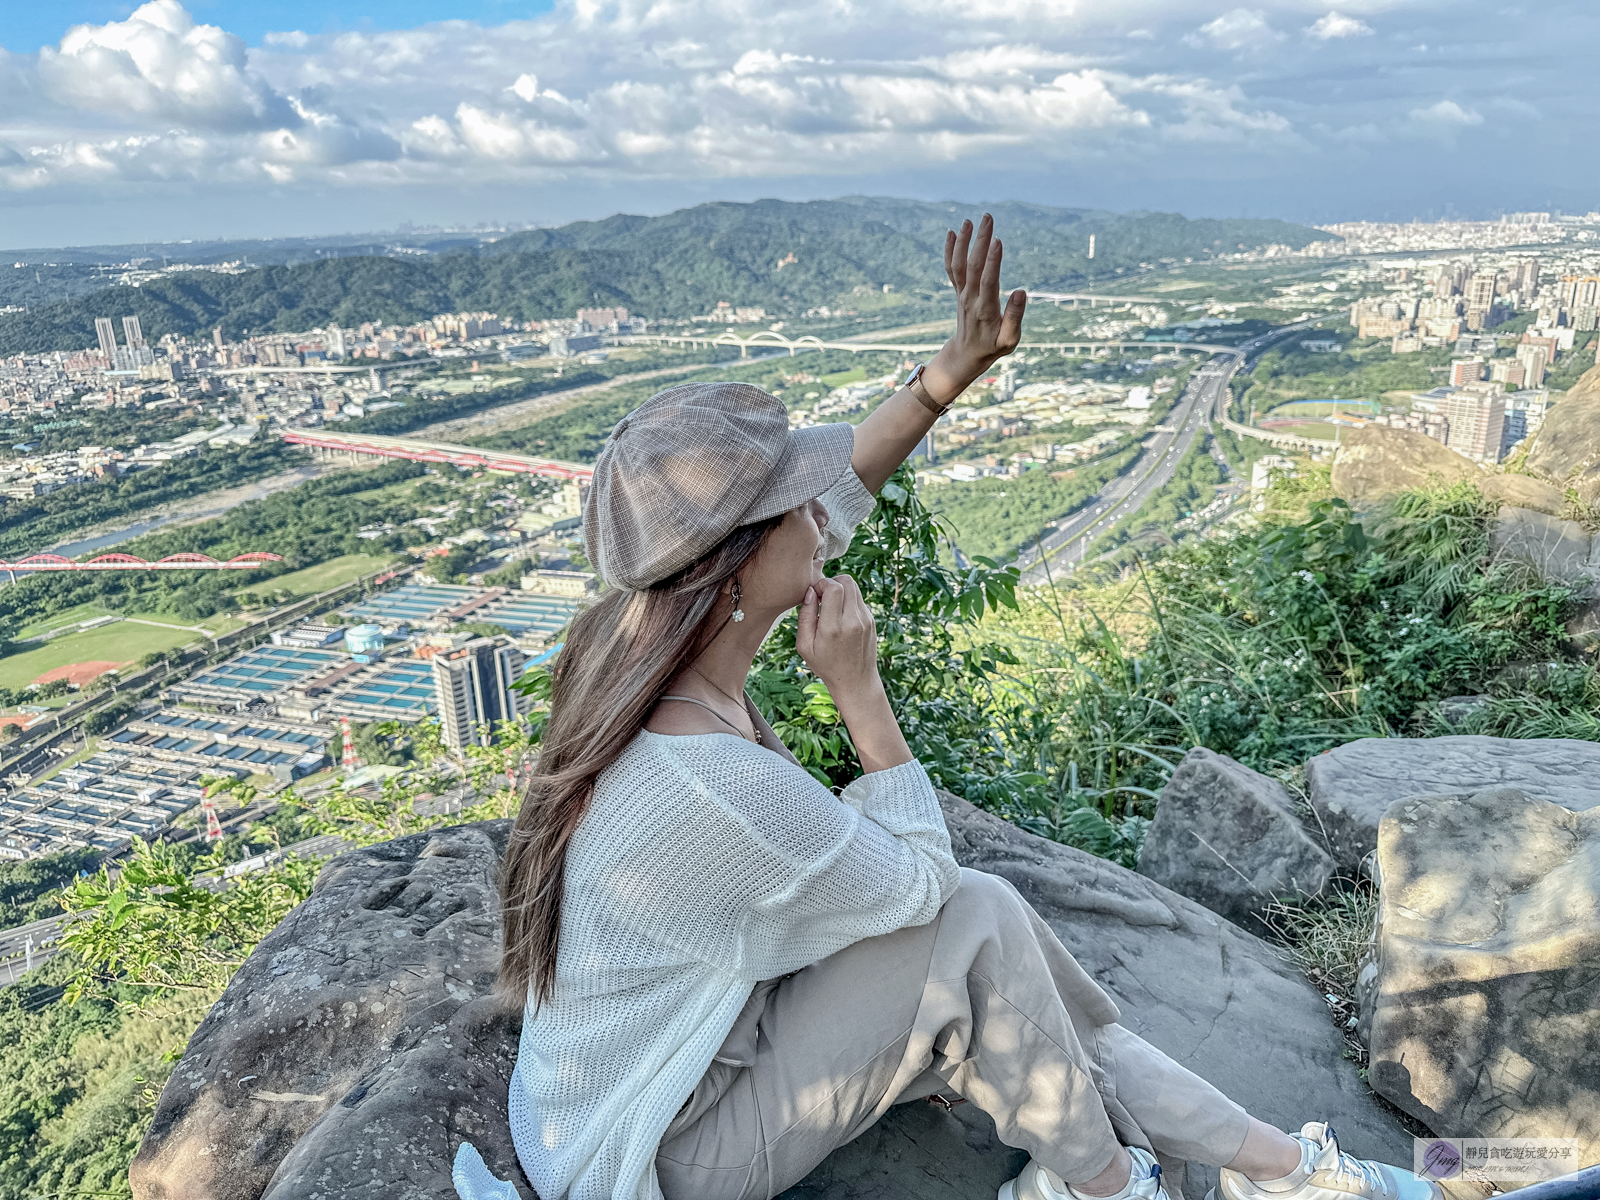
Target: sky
216	118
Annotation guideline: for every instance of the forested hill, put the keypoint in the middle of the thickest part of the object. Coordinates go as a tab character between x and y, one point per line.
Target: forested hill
785	257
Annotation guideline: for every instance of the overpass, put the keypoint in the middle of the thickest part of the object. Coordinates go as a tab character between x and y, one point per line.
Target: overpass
767	338
1095	299
448	453
1289	441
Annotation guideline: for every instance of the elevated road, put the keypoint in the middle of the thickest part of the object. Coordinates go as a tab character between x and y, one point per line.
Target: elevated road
420	450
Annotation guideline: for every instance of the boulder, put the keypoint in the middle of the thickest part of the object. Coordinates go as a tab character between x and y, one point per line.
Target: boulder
1583	628
1566	448
1561	551
1524	491
1376	461
357	1046
1484	1008
1353	785
1229	838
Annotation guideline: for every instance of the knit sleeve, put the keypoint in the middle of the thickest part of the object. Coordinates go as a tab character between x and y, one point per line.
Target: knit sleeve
847	503
771	872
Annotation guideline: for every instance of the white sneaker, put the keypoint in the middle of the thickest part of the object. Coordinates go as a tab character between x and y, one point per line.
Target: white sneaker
1325	1173
1036	1183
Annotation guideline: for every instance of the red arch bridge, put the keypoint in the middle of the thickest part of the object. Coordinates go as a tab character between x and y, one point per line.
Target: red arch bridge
127	562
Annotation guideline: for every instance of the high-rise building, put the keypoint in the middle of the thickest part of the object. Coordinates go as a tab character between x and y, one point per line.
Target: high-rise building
473	685
131	333
108	338
1465	370
1476	414
1535	358
1580	290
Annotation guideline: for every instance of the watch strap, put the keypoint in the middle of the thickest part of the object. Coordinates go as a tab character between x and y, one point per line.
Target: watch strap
920	390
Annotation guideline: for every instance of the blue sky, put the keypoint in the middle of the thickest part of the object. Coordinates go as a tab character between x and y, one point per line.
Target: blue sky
214	118
25	27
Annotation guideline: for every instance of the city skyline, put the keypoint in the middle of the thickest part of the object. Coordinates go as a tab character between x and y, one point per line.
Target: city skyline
163	122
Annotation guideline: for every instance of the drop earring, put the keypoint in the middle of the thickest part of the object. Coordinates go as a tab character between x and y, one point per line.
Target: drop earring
738	613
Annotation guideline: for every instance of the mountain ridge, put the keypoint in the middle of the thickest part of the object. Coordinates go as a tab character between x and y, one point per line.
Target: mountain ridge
781	255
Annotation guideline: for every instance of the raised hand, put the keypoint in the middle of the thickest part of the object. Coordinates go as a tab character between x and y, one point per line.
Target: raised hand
985	330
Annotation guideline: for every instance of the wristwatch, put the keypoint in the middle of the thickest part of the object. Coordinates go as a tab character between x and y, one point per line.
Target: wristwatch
920	391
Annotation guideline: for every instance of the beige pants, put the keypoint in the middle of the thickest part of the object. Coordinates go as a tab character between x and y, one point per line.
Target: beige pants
984	1002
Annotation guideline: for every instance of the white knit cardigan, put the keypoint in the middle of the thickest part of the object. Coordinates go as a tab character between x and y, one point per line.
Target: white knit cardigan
704	864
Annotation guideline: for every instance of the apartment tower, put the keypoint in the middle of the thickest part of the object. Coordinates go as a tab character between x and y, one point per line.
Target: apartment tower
473	685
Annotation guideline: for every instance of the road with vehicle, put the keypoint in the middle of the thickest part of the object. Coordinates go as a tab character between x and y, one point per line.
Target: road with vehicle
1204	400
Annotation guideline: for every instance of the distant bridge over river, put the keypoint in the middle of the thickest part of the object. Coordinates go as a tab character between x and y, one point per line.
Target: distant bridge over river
767	338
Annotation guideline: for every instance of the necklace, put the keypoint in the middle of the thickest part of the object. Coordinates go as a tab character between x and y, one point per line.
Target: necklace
731	700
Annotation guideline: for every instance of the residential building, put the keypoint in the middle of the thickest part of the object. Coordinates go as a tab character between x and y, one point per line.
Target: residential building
1508	371
1534	359
1465	370
108	337
473	687
1477	413
1580	290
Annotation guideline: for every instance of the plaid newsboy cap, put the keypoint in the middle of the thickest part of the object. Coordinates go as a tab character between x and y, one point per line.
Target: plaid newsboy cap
692	464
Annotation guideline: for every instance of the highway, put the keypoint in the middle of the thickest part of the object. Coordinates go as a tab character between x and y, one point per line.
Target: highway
1204	400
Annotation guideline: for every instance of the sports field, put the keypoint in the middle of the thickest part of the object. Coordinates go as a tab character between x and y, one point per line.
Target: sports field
118	644
311	580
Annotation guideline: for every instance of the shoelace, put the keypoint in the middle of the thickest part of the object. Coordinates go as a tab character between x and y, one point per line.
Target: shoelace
1358	1170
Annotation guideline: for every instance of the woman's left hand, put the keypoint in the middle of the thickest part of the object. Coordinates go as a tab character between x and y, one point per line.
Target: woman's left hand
984	330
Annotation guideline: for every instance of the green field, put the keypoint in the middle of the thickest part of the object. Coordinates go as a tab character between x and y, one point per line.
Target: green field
67	616
320	578
1310	429
123	642
85	612
840	378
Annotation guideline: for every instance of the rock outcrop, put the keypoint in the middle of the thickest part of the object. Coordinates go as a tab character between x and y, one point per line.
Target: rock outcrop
1376	461
1566	448
1352	786
357	1046
1229	837
1524	491
1484	1013
1561	551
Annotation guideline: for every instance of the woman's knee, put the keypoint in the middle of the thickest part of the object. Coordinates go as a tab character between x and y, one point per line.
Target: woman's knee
980	894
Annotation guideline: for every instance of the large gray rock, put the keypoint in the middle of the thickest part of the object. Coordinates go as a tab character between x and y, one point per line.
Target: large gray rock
1229	837
285	1091
1353	785
1567	447
1485	1011
1524	491
357	1046
1561	551
1375	462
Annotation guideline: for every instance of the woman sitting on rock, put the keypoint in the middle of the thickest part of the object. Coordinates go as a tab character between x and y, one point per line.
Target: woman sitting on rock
729	971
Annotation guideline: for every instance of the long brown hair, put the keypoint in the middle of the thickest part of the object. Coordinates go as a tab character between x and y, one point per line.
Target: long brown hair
617	661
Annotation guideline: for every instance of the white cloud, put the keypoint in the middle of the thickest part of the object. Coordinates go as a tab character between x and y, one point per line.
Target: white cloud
674	90
1447	112
1337	25
1240	29
159	63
